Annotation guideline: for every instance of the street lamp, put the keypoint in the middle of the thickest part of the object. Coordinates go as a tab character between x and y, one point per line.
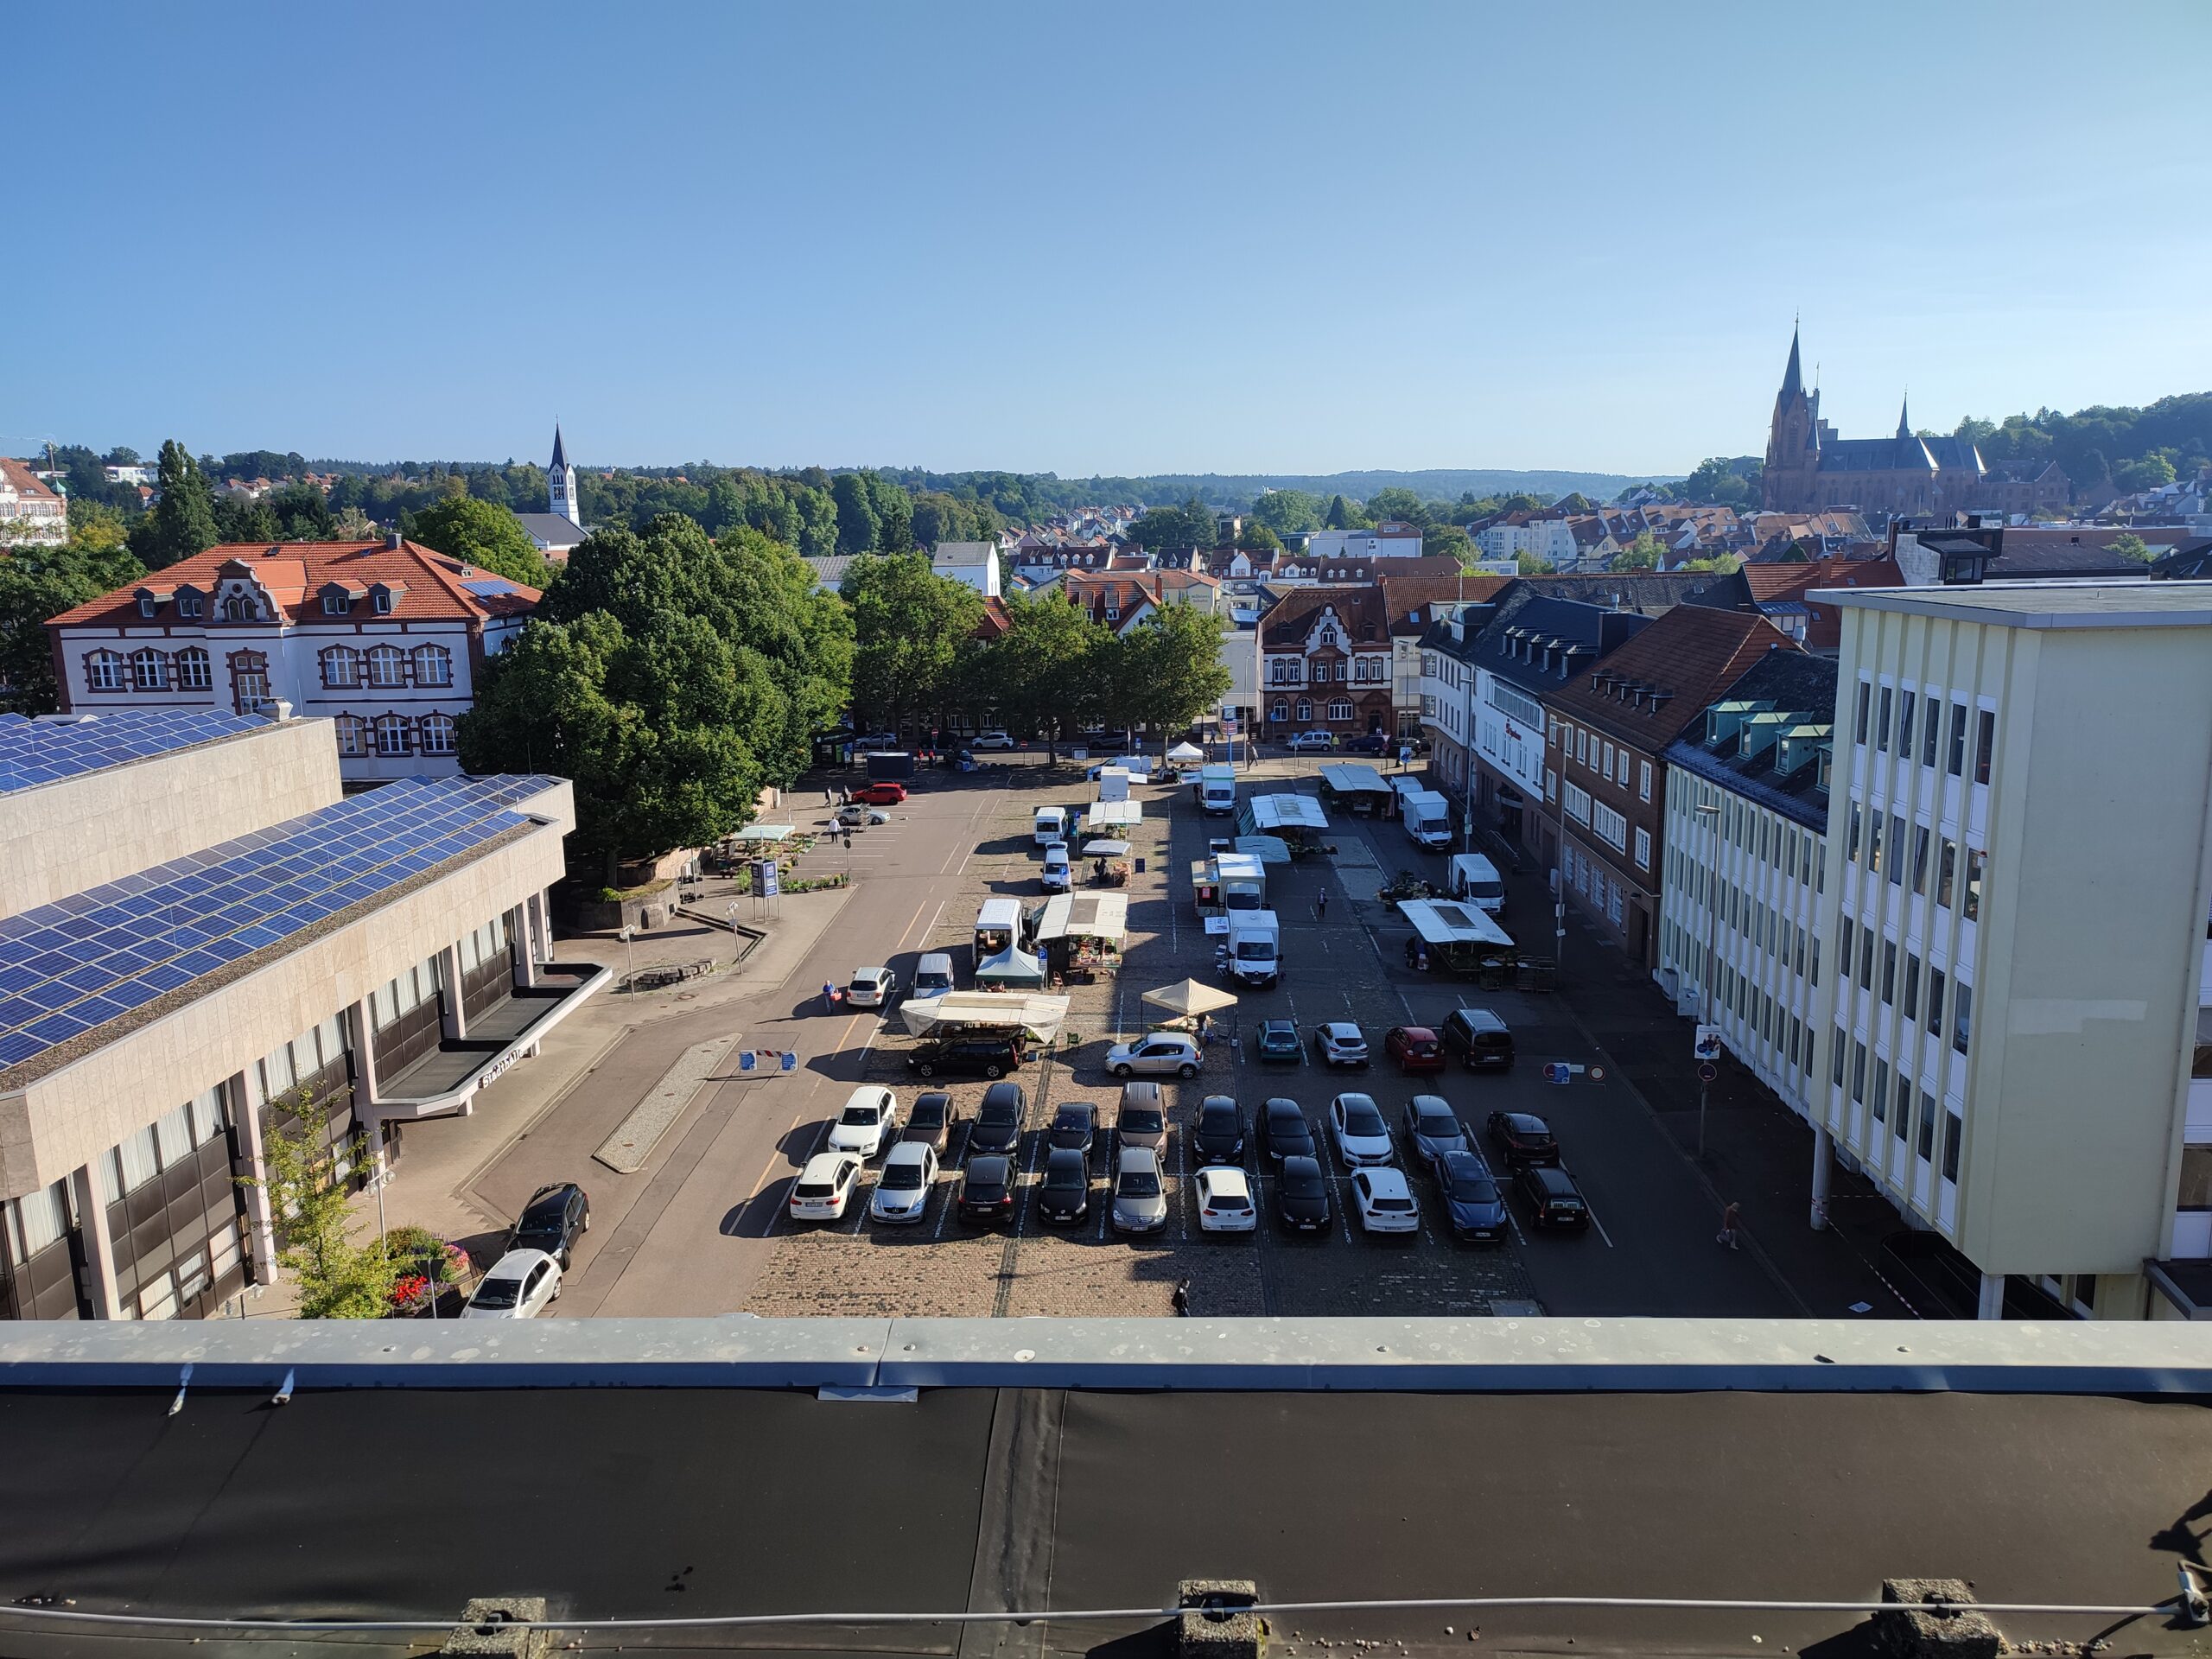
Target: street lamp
1711	813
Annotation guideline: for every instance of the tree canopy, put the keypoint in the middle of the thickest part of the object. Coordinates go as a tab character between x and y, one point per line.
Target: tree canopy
482	533
1192	524
41	581
911	629
182	522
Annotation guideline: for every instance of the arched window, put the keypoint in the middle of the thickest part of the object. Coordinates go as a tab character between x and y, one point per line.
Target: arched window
1280	711
352	734
387	666
433	665
391	734
193	671
240	607
341	666
103	670
437	734
1304	711
147	672
249	681
1340	709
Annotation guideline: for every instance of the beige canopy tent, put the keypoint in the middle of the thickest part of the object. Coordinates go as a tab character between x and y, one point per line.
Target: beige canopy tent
967	1012
1188	997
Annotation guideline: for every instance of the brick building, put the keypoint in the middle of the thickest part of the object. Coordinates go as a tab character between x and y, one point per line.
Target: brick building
1325	664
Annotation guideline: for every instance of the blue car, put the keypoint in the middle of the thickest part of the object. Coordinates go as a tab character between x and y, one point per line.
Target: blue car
1472	1201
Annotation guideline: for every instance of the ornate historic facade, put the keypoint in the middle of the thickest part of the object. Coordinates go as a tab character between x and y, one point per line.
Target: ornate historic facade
1808	468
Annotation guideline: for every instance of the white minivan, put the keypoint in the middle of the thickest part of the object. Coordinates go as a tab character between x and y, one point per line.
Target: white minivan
1056	876
932	977
1052	825
1475	878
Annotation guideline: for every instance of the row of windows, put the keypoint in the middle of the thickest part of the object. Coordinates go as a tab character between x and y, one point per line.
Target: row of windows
160	1145
1363	671
1591	880
1883	954
1887	715
1765	1017
1594	750
1880	844
1339	709
1874	1093
396	734
150	671
1767	928
1763	837
386	665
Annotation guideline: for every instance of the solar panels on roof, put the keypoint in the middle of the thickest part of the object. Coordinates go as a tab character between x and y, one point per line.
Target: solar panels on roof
34	752
490	587
67	968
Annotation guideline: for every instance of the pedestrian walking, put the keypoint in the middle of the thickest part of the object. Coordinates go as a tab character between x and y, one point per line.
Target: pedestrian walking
828	799
828	996
1181	1299
1726	1235
1321	907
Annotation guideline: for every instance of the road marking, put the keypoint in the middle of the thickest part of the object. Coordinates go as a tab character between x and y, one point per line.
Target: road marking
1599	1225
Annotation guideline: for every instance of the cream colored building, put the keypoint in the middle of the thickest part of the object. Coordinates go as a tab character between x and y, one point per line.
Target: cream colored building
201	934
2012	931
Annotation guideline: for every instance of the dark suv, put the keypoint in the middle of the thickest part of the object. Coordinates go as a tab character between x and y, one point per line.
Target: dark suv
1523	1138
1553	1199
997	1127
972	1057
552	1220
1482	1041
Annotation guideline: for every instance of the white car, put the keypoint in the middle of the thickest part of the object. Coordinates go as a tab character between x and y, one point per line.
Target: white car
522	1285
825	1186
869	1123
1057	876
983	740
1164	1052
902	1190
1385	1203
1340	1042
1305	741
1356	1125
872	988
1225	1200
860	816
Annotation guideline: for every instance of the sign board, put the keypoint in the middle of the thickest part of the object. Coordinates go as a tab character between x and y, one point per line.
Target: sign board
1706	1045
1229	725
1561	1071
766	878
1405	755
1217	924
1707	1071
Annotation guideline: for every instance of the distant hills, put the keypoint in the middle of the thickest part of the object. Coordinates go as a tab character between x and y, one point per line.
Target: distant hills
1433	484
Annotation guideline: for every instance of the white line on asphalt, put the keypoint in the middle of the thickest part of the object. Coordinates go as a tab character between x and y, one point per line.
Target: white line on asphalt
1599	1225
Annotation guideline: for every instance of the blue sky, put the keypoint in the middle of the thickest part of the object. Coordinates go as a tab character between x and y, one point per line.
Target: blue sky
1105	239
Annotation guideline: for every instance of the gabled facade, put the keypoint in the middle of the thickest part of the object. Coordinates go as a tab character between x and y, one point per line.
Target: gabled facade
1325	661
30	512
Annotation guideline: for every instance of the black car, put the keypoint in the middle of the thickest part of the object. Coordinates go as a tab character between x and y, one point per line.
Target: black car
1302	1196
930	1121
971	1057
998	1120
1471	1200
1219	1137
1075	1126
1064	1194
986	1192
552	1220
1284	1130
1482	1041
1522	1139
1553	1199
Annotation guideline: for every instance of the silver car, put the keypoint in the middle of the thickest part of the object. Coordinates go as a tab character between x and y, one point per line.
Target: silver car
902	1192
1139	1196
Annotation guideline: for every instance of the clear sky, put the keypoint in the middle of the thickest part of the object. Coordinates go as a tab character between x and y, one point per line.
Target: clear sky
1109	238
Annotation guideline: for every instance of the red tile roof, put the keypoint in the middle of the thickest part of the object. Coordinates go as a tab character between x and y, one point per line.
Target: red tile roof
1411	601
428	586
1688	656
18	472
1360	609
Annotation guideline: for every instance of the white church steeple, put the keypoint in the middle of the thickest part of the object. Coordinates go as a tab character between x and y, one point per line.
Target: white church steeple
561	483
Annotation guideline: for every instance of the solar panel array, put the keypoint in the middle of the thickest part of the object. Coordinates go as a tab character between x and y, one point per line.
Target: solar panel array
34	751
67	968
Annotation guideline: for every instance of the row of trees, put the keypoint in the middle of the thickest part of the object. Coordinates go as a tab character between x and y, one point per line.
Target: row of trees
1054	670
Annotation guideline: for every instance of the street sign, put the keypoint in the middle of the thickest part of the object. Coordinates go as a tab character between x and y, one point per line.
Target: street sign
1707	1071
1706	1045
1229	725
1563	1072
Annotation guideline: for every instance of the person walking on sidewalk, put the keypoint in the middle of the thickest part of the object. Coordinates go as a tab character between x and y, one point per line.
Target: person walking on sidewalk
1726	1235
1181	1299
828	996
1321	905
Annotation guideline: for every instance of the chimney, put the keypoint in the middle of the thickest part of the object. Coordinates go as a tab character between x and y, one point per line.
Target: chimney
392	541
282	711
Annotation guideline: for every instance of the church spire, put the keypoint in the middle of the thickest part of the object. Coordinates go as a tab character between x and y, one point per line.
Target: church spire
1793	379
1904	424
560	455
561	484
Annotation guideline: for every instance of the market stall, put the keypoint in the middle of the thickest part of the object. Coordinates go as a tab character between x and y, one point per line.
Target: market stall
1028	1017
1109	862
1457	938
1295	820
1079	934
1359	789
1010	969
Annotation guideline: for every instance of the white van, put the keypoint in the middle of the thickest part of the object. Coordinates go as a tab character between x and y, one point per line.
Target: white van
932	977
998	926
1056	876
1475	878
1051	825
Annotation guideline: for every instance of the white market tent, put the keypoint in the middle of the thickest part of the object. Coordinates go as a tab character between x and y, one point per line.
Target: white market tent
1189	997
1268	849
1271	813
1105	849
1113	814
1010	967
1037	1017
765	832
1084	915
1184	754
1440	922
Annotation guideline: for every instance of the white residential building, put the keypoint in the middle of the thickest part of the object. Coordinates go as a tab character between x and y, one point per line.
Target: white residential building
975	563
30	512
1549	539
1385	541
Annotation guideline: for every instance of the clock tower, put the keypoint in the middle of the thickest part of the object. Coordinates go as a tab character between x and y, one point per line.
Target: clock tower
561	483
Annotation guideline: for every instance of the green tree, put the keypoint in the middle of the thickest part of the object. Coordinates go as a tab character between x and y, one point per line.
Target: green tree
1167	670
1256	537
1397	504
894	517
182	522
1645	553
910	627
480	533
246	518
1530	565
1448	541
2150	473
333	1276
1287	511
1346	515
1044	673
1157	529
2128	545
859	531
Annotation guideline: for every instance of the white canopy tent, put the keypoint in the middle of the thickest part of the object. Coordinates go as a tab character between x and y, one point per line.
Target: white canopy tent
1188	997
1184	755
1010	967
1036	1017
1113	814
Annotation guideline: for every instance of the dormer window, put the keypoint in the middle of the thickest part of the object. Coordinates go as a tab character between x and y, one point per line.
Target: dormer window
148	605
336	601
380	600
187	603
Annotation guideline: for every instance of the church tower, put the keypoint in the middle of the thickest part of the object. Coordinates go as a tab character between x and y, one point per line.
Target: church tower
561	483
1793	456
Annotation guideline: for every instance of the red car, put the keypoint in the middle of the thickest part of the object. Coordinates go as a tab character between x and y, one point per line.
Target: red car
883	794
1416	1048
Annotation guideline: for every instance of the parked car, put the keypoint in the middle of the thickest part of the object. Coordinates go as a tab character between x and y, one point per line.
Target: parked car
998	1120
1142	1120
929	1121
552	1220
1225	1200
1432	1127
869	1123
1416	1048
1302	741
1056	874
1140	1197
1523	1138
872	988
1340	1042
1075	1126
1471	1200
1553	1199
1482	1041
1302	1196
994	740
986	1195
965	1057
1284	1130
825	1186
1276	1043
1357	1126
876	740
1384	1202
1165	1053
932	976
882	792
860	816
521	1285
1064	1194
902	1190
1372	743
1219	1138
